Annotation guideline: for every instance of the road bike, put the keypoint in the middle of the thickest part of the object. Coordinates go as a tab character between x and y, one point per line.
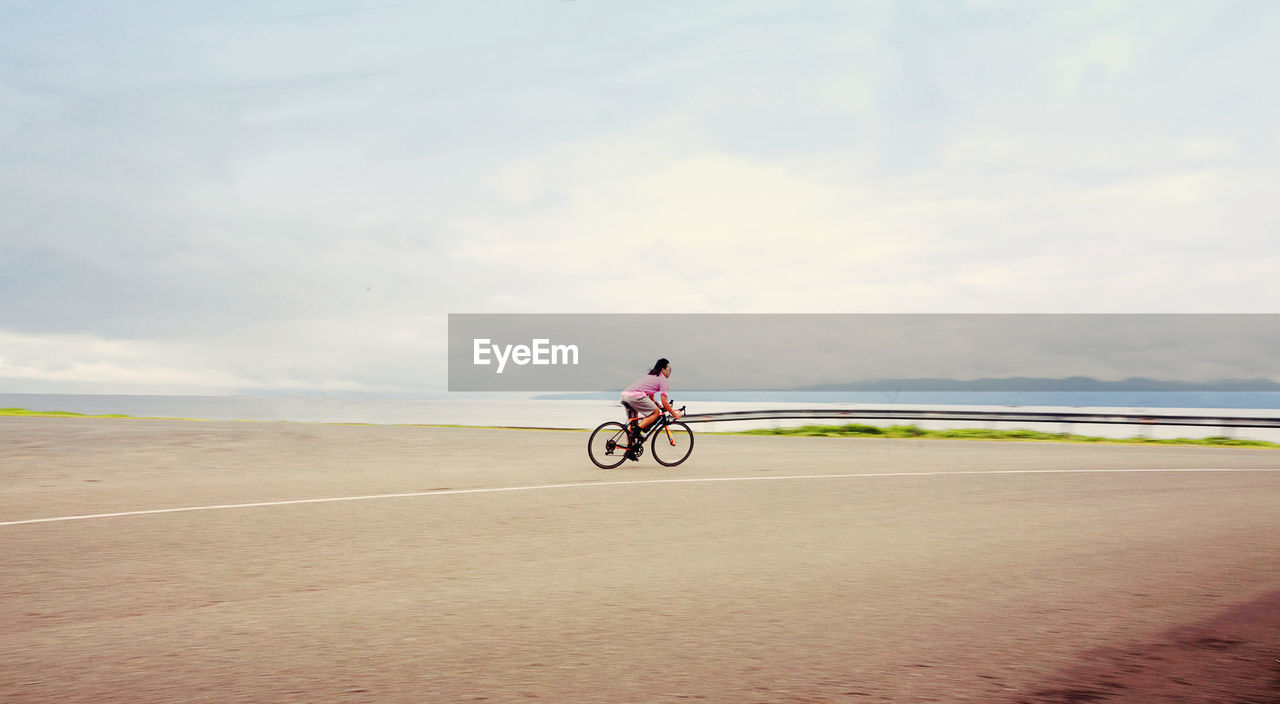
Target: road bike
672	442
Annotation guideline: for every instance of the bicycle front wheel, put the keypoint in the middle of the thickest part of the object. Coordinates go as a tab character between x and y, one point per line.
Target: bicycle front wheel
607	446
672	444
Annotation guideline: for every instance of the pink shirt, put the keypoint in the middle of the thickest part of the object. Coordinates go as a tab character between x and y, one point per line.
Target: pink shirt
647	385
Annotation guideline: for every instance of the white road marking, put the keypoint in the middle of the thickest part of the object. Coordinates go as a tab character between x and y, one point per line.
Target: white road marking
576	485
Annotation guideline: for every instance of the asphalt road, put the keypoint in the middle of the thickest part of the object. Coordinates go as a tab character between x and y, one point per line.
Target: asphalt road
503	566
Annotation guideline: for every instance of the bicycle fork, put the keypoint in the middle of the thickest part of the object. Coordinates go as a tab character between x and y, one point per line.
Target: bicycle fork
667	429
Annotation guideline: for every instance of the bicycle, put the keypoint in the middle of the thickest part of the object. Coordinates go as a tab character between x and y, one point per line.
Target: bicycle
609	442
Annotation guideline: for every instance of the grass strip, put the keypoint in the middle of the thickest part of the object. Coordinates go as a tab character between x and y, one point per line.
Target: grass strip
26	413
855	430
56	414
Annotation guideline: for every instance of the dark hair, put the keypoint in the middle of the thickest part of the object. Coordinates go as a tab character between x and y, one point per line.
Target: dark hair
658	366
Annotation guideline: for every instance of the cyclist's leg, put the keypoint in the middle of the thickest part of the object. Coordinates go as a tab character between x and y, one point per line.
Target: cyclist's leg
645	409
648	420
635	437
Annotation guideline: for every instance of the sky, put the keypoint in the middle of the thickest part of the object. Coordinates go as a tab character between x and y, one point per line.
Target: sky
284	196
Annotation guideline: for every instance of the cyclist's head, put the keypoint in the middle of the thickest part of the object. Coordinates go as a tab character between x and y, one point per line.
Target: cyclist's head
659	366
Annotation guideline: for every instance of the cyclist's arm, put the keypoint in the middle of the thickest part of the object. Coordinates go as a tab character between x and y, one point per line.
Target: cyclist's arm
666	405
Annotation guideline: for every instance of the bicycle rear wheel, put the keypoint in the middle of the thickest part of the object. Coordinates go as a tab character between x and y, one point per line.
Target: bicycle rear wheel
672	444
607	446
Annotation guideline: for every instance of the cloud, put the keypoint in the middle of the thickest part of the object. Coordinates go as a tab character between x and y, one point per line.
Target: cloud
386	354
85	362
1002	223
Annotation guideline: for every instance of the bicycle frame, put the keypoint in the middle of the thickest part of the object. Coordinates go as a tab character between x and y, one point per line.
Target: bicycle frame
663	422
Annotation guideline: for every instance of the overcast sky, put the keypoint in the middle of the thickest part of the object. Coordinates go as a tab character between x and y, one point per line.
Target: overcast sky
270	195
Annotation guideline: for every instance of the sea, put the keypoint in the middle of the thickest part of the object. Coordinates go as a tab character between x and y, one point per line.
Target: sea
584	411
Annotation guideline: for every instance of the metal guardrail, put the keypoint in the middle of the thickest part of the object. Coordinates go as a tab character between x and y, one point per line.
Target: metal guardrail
987	416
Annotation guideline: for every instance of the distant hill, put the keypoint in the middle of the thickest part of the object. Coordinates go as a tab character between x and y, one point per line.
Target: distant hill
1074	383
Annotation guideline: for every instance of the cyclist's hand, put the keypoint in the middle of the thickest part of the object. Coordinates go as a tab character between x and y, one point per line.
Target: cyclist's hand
676	414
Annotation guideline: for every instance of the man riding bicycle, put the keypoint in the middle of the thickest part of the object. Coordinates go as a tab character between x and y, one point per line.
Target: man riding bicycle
612	443
648	398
